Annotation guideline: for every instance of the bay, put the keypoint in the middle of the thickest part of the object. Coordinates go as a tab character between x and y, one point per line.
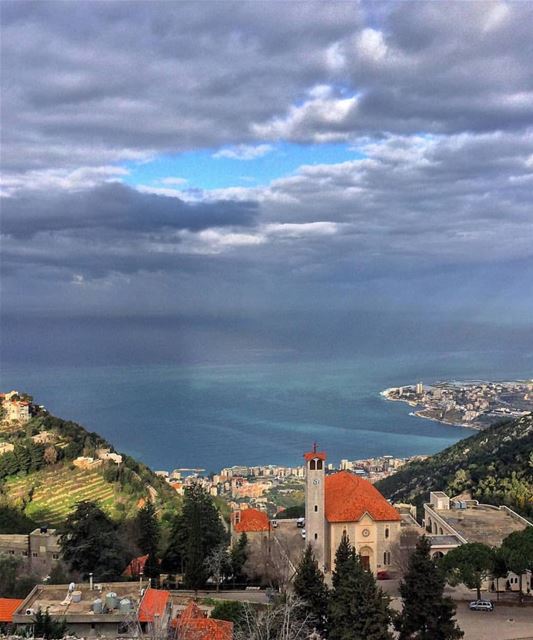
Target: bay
212	416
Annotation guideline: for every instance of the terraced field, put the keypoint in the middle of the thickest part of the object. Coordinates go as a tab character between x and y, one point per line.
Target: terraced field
50	495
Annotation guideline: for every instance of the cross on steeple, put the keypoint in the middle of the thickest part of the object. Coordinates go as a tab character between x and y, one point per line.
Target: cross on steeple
314	447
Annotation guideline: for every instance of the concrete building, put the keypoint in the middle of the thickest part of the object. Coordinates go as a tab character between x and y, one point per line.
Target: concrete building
112	610
16	408
253	522
450	523
343	502
6	447
40	549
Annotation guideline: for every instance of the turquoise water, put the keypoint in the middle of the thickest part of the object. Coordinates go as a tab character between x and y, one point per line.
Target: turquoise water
214	416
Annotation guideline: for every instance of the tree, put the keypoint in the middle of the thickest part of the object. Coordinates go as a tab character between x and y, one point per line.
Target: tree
499	570
15	582
310	588
238	557
469	564
195	533
50	455
358	608
426	614
90	543
23	458
218	564
230	610
149	537
517	550
283	621
44	626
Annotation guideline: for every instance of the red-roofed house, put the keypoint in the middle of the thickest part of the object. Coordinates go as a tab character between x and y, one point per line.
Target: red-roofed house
192	624
345	502
250	521
8	606
135	567
154	610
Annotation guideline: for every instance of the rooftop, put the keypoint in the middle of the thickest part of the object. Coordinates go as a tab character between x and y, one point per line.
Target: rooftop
7	607
349	497
54	598
251	520
481	523
193	625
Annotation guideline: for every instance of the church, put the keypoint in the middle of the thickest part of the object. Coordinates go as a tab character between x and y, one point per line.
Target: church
343	502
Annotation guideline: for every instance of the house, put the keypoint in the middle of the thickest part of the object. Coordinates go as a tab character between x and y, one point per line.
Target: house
110	610
7	607
16	408
451	522
40	549
135	567
193	624
253	522
106	454
85	462
155	612
346	503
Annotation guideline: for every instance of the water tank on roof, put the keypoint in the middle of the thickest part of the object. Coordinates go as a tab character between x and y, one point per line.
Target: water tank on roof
98	606
125	605
111	600
76	596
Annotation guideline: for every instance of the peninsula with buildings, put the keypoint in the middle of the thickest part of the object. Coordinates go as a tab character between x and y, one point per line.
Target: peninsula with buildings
476	404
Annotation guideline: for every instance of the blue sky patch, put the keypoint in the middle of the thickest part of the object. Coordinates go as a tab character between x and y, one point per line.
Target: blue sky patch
203	170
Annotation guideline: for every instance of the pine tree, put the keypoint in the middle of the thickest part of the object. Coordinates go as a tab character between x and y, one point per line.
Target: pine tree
195	533
148	541
90	543
310	587
358	609
427	614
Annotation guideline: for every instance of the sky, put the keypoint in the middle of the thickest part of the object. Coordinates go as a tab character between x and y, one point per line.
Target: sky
264	176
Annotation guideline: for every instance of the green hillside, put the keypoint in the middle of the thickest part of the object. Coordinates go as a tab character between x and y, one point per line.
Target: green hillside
495	465
39	480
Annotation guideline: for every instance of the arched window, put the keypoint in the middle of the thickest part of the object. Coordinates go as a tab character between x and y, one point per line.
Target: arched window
319	465
316	536
387	532
312	465
386	557
316	507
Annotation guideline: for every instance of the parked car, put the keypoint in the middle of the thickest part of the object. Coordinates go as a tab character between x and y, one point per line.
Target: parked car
383	575
274	524
300	523
481	605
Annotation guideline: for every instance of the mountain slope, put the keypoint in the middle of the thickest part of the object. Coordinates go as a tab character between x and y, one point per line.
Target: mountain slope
495	465
38	477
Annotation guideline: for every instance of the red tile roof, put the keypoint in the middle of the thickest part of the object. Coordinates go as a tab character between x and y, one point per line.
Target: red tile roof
153	602
193	625
250	520
321	455
349	497
8	606
135	566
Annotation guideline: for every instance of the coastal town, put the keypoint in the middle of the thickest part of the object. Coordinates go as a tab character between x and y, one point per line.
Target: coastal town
274	488
474	404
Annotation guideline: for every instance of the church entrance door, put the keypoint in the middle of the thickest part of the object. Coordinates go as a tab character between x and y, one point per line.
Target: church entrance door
365	561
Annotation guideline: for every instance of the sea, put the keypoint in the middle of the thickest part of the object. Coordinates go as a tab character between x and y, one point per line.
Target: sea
211	416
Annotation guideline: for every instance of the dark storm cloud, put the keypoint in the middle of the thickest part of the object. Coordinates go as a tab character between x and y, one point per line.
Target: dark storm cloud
111	79
115	207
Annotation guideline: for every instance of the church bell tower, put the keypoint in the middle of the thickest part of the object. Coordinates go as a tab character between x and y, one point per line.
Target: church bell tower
315	517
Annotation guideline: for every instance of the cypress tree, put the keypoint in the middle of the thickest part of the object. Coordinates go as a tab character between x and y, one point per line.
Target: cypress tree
196	531
148	541
310	587
358	608
427	614
238	557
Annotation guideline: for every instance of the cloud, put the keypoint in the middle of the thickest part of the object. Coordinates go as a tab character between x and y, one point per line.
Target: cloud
183	77
244	152
115	207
